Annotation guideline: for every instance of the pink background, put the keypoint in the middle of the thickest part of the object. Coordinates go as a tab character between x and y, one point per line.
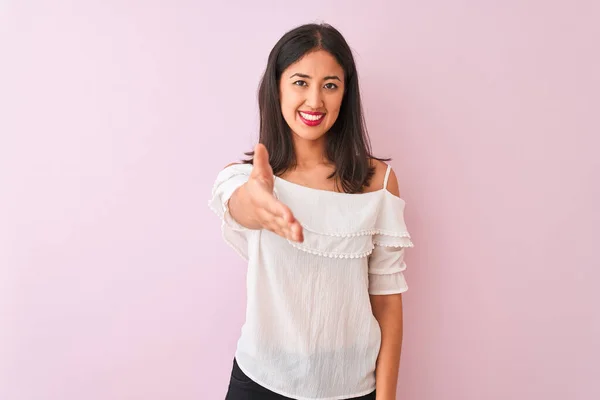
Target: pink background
115	117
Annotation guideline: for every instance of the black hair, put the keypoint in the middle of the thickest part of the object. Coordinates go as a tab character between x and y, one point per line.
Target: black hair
347	142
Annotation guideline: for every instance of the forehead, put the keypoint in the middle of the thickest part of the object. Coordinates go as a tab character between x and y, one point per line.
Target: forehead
316	64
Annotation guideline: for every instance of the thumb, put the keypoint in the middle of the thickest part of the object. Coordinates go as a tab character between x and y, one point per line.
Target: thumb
261	161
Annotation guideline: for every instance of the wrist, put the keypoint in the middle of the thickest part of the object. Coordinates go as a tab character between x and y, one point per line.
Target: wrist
243	199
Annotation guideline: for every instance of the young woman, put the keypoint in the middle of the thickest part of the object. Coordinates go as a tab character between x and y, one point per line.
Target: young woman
320	222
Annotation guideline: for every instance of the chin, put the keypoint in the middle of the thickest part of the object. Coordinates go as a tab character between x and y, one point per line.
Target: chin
309	133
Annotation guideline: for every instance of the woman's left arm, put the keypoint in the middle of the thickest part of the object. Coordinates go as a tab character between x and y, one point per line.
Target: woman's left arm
387	309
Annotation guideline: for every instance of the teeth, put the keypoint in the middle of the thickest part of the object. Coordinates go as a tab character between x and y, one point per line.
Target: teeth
311	117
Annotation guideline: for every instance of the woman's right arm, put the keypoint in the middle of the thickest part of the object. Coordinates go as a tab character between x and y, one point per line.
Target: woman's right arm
254	206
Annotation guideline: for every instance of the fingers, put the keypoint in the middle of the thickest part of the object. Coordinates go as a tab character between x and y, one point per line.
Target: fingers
277	208
286	230
264	198
297	232
280	220
293	230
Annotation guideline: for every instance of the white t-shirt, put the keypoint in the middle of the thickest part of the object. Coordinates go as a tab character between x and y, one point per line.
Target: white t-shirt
310	332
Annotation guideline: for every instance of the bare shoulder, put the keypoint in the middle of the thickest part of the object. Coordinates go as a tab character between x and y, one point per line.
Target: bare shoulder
379	177
229	165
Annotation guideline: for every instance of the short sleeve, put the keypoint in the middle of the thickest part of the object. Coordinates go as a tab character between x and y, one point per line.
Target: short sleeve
386	262
386	270
228	180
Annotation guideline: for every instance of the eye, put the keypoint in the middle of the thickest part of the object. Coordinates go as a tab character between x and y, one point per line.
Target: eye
331	86
300	83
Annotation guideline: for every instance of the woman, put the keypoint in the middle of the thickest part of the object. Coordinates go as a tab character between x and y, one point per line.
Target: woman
320	222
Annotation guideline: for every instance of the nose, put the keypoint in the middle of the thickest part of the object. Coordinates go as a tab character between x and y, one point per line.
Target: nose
314	97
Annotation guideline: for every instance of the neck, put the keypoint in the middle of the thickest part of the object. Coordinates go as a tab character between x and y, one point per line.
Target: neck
310	153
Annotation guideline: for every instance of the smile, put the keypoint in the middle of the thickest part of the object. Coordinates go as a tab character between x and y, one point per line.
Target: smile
311	118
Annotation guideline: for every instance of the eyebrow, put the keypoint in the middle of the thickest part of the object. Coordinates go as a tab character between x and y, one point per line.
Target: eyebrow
298	74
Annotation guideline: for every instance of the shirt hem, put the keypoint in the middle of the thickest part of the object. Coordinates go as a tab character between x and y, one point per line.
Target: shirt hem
286	394
387	292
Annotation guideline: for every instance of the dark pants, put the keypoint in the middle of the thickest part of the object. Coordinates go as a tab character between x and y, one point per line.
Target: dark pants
243	388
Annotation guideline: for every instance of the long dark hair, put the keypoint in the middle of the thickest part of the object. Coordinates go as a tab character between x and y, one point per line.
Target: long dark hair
347	142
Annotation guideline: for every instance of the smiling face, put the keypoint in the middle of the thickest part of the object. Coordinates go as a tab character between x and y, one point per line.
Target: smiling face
311	92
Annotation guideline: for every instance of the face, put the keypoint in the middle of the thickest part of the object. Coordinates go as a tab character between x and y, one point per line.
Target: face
311	92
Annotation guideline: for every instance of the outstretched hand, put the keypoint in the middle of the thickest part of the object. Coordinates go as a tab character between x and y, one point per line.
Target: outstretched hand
271	213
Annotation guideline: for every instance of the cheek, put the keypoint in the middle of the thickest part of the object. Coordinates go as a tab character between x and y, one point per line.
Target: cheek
334	104
289	102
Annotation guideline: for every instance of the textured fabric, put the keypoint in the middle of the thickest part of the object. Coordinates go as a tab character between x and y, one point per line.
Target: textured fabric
241	387
310	332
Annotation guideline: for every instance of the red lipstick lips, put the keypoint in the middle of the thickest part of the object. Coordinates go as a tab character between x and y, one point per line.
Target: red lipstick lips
316	120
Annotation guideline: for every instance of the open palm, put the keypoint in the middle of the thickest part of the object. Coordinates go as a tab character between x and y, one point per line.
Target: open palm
271	213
